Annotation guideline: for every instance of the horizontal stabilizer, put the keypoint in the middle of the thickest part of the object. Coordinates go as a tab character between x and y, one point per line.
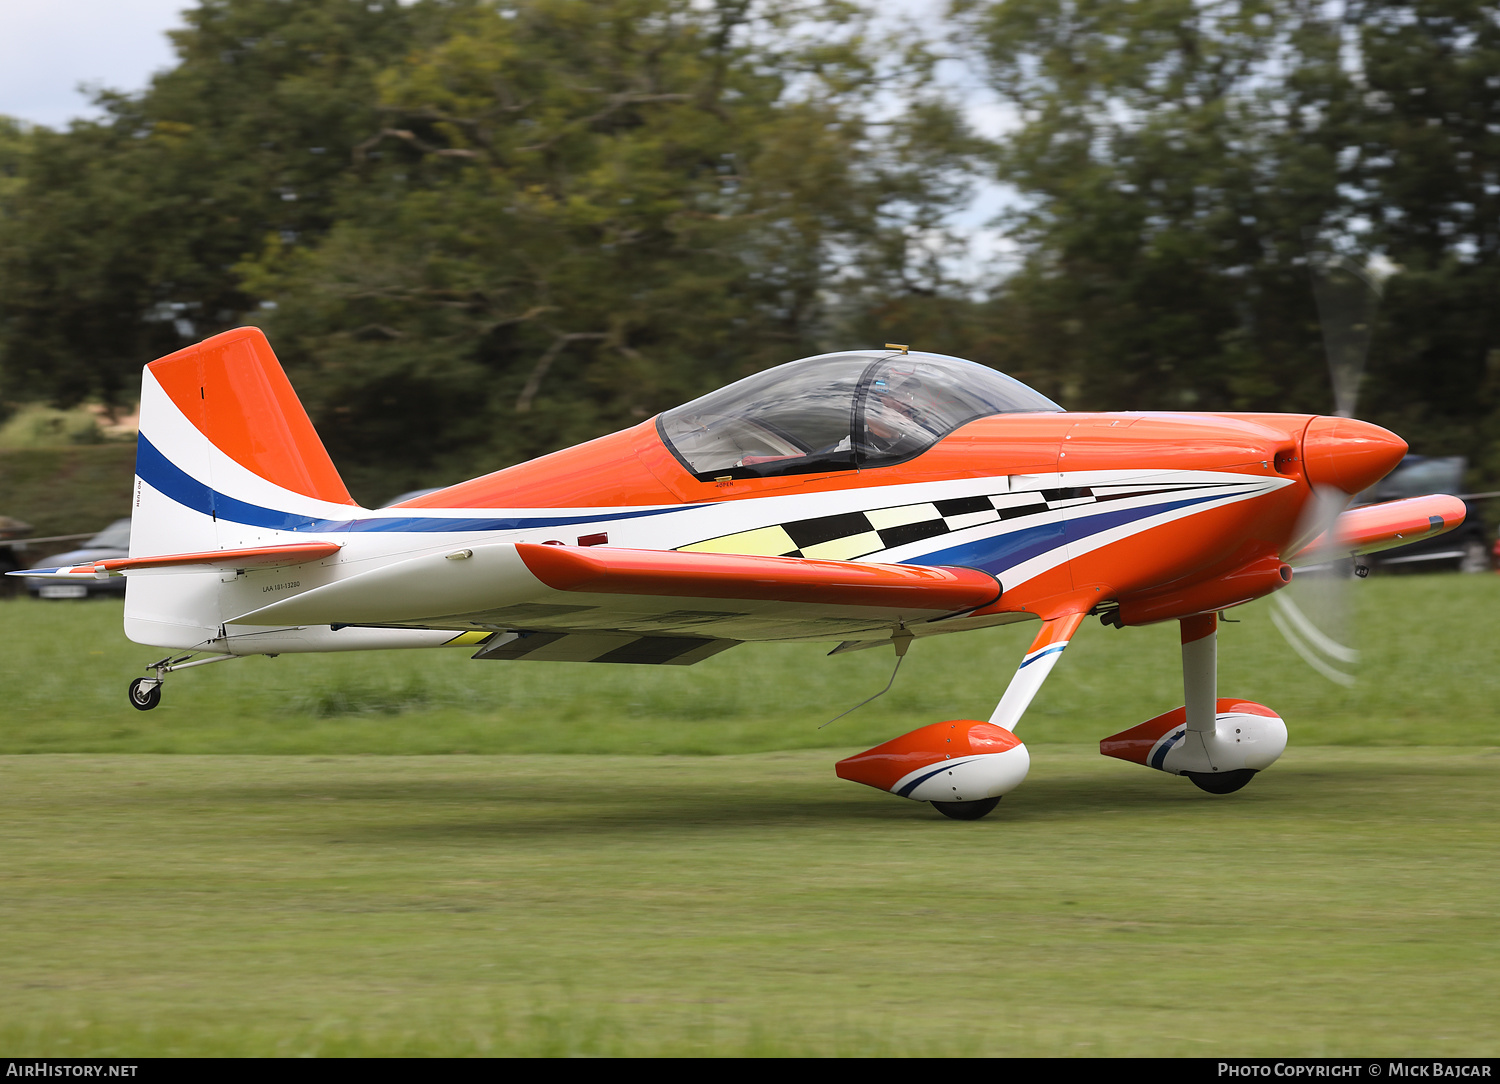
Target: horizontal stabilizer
1383	526
251	557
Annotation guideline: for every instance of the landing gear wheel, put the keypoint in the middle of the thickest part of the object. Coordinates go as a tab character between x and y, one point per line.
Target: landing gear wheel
1221	782
145	693
966	811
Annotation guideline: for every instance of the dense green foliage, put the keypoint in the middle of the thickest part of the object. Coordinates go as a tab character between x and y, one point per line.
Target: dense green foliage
122	241
577	214
478	230
1183	162
1429	174
66	490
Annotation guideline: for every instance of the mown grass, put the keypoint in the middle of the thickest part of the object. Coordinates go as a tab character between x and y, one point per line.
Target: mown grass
679	903
1343	904
1429	677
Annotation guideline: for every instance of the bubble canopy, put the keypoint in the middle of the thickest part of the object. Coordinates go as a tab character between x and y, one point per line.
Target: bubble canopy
863	408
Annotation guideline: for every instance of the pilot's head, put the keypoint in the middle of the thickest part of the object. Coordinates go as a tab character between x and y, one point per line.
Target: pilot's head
892	408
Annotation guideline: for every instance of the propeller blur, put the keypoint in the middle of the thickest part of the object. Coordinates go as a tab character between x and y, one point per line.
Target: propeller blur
872	497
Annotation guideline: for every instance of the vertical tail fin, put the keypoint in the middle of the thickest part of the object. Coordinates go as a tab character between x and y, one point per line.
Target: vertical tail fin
227	457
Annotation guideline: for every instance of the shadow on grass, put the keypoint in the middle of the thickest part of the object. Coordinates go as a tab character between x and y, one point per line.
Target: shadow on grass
665	802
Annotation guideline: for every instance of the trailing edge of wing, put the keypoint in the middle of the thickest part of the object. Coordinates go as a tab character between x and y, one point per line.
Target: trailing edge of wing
250	557
527	586
1383	526
608	571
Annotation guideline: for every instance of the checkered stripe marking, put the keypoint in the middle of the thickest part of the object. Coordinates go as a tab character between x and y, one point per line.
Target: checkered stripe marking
602	647
854	534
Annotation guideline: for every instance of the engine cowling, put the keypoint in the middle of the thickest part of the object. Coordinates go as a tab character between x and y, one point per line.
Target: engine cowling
962	760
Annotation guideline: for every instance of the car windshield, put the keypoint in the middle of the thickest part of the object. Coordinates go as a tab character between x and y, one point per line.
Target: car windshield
838	412
114	537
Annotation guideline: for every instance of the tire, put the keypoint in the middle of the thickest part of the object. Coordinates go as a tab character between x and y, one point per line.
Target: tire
966	811
145	693
1221	782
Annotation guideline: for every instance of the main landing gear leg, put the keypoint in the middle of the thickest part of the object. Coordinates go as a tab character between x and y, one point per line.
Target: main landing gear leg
145	692
1218	744
963	766
1200	689
1040	658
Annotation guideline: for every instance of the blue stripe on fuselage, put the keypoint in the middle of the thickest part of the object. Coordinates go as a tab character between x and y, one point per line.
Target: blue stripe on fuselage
164	476
997	553
994	553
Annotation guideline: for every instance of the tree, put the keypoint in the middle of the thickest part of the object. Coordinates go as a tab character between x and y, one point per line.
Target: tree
573	214
1430	152
120	240
1171	155
1175	156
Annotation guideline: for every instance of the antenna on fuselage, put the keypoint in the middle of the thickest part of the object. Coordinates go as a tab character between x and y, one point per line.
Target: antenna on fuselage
902	640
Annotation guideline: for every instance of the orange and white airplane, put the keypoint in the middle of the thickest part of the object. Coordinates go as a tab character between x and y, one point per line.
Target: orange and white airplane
871	498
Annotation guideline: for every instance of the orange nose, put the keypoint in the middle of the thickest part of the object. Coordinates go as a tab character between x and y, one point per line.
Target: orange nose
1349	455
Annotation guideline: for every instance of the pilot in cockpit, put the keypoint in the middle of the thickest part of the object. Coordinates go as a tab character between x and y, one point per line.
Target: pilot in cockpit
893	416
893	425
838	412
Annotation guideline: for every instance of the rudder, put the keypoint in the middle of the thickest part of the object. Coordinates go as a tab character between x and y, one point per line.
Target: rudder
226	457
234	391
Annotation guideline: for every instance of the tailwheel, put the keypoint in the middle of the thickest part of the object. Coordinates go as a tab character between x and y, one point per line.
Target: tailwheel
145	693
1221	782
966	811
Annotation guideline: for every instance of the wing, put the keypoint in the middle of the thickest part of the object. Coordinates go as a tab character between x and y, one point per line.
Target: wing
531	588
1383	526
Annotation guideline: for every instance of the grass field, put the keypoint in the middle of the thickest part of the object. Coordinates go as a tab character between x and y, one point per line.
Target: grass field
328	901
1343	904
1430	677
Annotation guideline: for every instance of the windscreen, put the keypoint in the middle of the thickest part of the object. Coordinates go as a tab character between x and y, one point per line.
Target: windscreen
838	412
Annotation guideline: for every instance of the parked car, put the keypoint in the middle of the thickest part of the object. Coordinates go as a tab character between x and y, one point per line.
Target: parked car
113	541
1466	548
